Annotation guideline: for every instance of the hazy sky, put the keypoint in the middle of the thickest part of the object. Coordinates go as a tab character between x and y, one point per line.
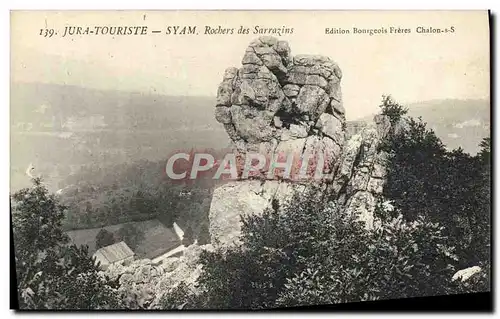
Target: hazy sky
412	67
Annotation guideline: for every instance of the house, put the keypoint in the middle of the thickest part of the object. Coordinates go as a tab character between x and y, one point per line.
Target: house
113	254
185	193
158	241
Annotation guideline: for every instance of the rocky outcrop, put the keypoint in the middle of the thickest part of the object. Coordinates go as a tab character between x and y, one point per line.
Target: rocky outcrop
361	176
354	127
277	103
236	199
142	284
465	274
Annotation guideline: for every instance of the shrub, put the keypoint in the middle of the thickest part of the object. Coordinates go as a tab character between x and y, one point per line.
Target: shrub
392	109
448	187
51	274
131	235
104	238
306	254
396	260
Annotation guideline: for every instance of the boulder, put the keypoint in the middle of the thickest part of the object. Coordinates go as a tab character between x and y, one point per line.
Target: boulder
464	274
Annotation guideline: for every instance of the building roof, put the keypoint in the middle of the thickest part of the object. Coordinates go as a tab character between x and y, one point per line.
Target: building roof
115	252
159	240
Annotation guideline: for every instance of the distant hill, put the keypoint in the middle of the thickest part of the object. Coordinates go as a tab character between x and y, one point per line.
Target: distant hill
459	123
62	128
71	108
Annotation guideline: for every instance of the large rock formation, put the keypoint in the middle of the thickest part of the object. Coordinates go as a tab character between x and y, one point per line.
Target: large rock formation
276	103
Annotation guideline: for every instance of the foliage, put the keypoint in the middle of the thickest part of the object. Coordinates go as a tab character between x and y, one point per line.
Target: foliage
396	260
36	220
251	276
180	297
101	196
483	188
436	222
51	274
131	235
449	187
306	254
104	238
392	109
485	151
188	236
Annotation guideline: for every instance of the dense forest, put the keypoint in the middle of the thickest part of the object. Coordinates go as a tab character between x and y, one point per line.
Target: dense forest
433	220
101	196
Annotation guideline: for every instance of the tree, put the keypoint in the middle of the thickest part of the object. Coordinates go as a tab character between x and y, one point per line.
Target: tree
188	236
481	244
51	274
309	253
484	153
397	259
104	238
425	179
252	275
131	235
140	203
392	109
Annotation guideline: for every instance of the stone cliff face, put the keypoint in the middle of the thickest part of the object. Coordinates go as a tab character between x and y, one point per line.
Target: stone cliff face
278	103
